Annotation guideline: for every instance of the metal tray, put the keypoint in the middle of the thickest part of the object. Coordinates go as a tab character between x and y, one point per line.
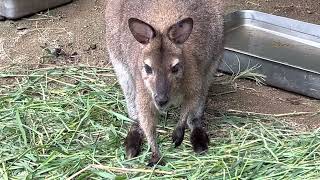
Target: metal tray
15	9
287	50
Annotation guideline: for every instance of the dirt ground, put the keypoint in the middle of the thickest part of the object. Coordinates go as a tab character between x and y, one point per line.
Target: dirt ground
78	29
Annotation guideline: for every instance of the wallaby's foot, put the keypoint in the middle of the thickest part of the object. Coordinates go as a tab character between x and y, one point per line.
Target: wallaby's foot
134	142
199	140
178	135
156	159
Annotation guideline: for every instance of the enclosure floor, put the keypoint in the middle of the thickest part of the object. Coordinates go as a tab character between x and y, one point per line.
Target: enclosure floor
79	29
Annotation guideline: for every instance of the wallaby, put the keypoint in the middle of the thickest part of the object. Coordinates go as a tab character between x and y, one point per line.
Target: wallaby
164	52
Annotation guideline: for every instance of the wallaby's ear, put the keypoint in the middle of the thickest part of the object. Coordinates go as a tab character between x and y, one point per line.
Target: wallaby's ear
141	31
180	32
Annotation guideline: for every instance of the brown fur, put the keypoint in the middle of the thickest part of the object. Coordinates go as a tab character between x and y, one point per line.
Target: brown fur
199	56
134	141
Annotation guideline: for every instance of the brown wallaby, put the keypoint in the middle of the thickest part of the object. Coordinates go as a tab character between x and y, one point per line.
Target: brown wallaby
164	52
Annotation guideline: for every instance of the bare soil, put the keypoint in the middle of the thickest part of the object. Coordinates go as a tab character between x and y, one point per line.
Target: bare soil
77	29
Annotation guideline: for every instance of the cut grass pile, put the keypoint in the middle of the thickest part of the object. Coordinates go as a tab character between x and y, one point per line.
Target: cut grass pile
71	122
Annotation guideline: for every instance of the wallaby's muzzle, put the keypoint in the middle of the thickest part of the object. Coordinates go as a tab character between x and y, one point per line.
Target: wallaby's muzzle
161	96
161	100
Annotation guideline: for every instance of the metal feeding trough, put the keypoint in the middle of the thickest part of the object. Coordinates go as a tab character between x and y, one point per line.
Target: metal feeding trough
14	9
287	51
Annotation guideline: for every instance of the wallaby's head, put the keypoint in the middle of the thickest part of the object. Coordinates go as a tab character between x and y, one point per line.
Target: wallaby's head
162	61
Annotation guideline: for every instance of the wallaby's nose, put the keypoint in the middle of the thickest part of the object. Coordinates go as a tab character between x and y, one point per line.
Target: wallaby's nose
161	100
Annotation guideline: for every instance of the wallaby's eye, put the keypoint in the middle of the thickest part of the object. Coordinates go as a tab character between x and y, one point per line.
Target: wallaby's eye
175	68
148	69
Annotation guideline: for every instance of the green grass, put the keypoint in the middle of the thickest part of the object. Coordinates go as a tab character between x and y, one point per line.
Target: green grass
57	122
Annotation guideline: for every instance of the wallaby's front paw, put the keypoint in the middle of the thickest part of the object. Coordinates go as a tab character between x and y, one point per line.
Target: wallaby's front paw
178	136
155	159
199	140
133	143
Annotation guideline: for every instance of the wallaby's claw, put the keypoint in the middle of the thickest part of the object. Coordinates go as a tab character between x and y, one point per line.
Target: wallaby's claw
132	152
155	160
199	140
178	136
133	143
152	164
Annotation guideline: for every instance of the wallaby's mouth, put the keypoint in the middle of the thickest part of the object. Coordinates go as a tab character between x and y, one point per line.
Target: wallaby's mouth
162	106
162	109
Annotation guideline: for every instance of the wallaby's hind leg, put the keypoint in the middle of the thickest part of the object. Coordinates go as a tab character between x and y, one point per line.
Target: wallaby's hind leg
134	141
127	85
134	137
